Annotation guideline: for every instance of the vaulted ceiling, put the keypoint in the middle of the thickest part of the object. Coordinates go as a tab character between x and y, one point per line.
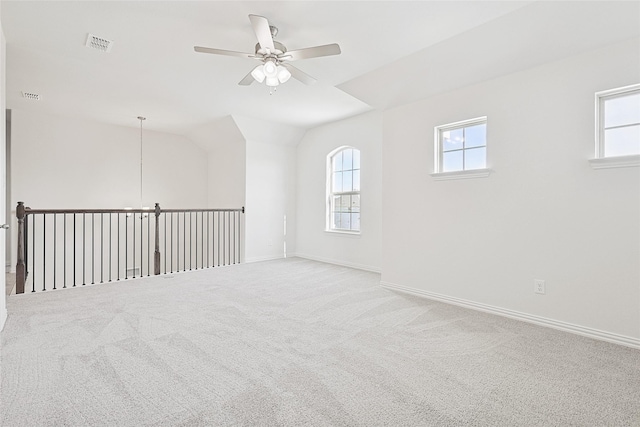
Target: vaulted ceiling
393	52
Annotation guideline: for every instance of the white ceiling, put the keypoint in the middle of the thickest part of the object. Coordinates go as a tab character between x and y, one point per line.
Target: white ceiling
392	52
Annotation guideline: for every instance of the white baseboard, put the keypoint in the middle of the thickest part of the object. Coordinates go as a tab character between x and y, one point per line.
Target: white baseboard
530	318
262	258
3	317
338	262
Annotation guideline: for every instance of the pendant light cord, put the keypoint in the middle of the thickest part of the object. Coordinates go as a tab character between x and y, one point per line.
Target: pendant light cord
141	120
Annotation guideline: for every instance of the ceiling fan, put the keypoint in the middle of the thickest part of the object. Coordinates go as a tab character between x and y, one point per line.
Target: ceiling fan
274	68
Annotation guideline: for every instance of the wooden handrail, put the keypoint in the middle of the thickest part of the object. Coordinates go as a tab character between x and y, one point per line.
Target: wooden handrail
202	210
29	211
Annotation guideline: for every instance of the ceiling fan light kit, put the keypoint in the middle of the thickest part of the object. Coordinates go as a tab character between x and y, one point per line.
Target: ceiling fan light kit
283	74
258	73
274	70
272	81
270	68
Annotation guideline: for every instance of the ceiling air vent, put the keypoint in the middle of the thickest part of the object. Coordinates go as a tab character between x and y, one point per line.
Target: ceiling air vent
99	43
31	96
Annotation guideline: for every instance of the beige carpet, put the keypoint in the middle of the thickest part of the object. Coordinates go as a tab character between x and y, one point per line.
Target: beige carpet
295	342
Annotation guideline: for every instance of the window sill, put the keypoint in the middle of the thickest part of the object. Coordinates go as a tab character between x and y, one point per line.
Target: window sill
615	162
343	233
474	173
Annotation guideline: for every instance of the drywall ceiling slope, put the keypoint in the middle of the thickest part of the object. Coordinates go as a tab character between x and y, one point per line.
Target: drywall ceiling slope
153	71
217	134
538	33
264	131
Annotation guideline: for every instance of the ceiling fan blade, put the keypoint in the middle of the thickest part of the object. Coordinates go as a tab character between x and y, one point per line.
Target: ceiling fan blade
247	80
222	52
298	74
263	32
313	52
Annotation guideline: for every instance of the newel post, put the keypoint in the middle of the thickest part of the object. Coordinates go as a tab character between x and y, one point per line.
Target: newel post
156	254
20	267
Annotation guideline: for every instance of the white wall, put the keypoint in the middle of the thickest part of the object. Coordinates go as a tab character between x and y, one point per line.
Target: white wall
227	176
543	214
226	162
270	195
58	162
363	132
271	187
3	305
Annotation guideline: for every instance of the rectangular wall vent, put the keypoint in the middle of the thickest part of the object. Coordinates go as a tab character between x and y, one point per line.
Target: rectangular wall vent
31	96
99	43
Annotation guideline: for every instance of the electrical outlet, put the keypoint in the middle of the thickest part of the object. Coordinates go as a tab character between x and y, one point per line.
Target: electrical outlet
538	286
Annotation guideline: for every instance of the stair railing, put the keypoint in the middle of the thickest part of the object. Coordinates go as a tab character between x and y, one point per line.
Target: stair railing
60	248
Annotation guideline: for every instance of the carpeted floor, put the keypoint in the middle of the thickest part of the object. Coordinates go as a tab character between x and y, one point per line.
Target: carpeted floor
10	282
296	342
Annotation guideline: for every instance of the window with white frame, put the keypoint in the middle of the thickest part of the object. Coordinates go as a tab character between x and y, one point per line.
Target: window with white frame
343	190
461	146
618	122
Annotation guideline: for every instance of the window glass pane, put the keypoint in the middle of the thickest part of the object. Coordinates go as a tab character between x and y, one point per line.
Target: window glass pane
345	203
347	181
356	159
347	159
337	162
344	209
355	221
622	141
623	110
345	221
475	158
335	203
355	203
452	140
475	136
356	180
337	182
452	161
336	220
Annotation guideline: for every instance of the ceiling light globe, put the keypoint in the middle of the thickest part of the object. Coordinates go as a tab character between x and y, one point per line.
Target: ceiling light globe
270	69
258	74
283	74
272	81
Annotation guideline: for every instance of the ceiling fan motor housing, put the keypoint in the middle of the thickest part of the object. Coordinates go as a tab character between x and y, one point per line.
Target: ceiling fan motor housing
280	49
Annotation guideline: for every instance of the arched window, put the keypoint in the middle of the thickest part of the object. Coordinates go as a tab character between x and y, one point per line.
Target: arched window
343	190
